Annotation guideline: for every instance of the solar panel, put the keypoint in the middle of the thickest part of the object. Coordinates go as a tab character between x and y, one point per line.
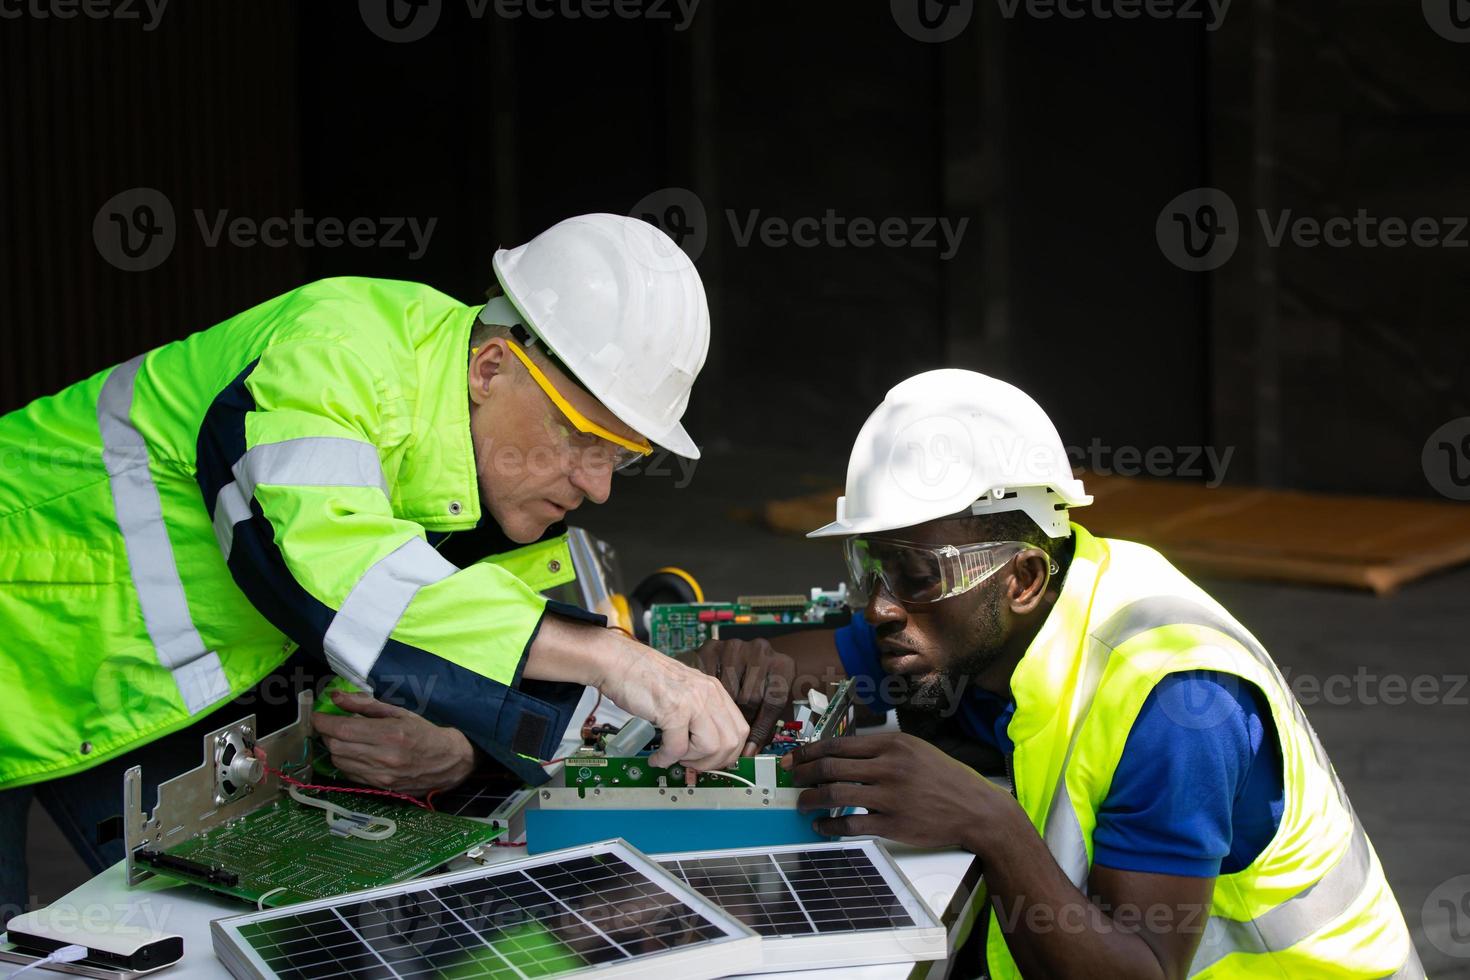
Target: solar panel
602	907
842	903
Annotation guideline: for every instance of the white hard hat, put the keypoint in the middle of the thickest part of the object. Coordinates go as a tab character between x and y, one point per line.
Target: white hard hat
948	442
622	307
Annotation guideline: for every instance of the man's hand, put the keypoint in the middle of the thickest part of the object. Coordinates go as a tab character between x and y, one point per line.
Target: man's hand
701	725
702	728
758	678
392	748
912	791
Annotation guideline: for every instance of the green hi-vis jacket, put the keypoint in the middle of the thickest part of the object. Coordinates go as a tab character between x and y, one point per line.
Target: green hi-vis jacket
171	526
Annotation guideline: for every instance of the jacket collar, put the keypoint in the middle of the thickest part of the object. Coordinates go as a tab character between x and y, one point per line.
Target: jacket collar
1051	662
437	484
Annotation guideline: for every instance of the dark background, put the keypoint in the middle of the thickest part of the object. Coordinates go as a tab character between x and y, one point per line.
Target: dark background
1058	140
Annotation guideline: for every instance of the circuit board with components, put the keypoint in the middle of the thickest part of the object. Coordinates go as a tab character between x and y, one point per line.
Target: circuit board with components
753	802
592	768
282	853
238	826
679	628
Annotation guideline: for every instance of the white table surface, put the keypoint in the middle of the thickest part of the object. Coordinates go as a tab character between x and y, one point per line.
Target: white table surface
174	907
938	876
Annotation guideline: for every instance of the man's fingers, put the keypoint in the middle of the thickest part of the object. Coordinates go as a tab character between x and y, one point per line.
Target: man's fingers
346	729
674	747
765	722
834	769
853	825
840	795
848	747
366	705
753	688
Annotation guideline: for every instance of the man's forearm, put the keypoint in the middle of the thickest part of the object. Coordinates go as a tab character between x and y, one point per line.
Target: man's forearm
1052	929
576	652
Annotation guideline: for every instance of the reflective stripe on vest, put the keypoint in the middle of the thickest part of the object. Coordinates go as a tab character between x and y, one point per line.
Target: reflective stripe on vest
1280	927
312	461
197	672
1297	918
376	603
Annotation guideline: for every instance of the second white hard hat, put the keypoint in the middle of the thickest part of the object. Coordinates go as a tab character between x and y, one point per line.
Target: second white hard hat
623	308
949	441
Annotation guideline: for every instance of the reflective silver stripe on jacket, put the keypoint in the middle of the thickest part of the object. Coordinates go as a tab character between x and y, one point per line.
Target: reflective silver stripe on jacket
311	461
376	603
196	671
1285	925
1295	919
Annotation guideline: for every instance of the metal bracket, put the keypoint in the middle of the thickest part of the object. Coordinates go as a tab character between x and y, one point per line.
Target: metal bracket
227	785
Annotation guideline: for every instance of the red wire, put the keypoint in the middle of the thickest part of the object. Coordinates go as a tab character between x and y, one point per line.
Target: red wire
291	780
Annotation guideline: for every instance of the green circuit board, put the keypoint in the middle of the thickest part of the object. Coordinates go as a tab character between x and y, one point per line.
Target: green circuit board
680	627
592	769
633	772
284	845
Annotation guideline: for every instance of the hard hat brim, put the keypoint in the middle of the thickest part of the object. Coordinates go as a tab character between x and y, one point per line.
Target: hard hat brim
677	441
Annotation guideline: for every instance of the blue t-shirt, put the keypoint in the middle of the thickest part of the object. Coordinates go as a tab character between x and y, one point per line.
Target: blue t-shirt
1198	791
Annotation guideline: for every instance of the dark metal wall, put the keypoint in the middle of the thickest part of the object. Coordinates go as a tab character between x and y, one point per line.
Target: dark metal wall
201	109
1055	142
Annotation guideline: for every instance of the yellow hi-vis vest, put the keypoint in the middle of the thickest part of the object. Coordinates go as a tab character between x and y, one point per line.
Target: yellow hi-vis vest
1314	902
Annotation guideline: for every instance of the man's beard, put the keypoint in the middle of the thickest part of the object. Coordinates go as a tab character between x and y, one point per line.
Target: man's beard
937	694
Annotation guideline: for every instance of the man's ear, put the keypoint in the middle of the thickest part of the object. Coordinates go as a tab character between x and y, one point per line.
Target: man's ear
485	365
1029	581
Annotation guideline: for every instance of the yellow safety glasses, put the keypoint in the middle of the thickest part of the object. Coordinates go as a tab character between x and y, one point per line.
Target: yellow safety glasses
622	452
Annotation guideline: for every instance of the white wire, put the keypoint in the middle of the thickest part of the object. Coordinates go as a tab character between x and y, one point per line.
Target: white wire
728	775
348	817
66	954
260	902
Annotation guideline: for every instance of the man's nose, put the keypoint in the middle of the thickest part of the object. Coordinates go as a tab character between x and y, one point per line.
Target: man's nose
594	482
882	607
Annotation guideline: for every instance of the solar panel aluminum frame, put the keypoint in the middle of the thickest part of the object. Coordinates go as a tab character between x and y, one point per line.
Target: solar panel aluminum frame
927	939
738	951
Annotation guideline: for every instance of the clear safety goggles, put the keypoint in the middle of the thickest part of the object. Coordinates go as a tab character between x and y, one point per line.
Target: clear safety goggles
920	573
597	447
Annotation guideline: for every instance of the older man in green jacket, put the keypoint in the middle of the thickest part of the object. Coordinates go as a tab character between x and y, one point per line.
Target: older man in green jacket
174	526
